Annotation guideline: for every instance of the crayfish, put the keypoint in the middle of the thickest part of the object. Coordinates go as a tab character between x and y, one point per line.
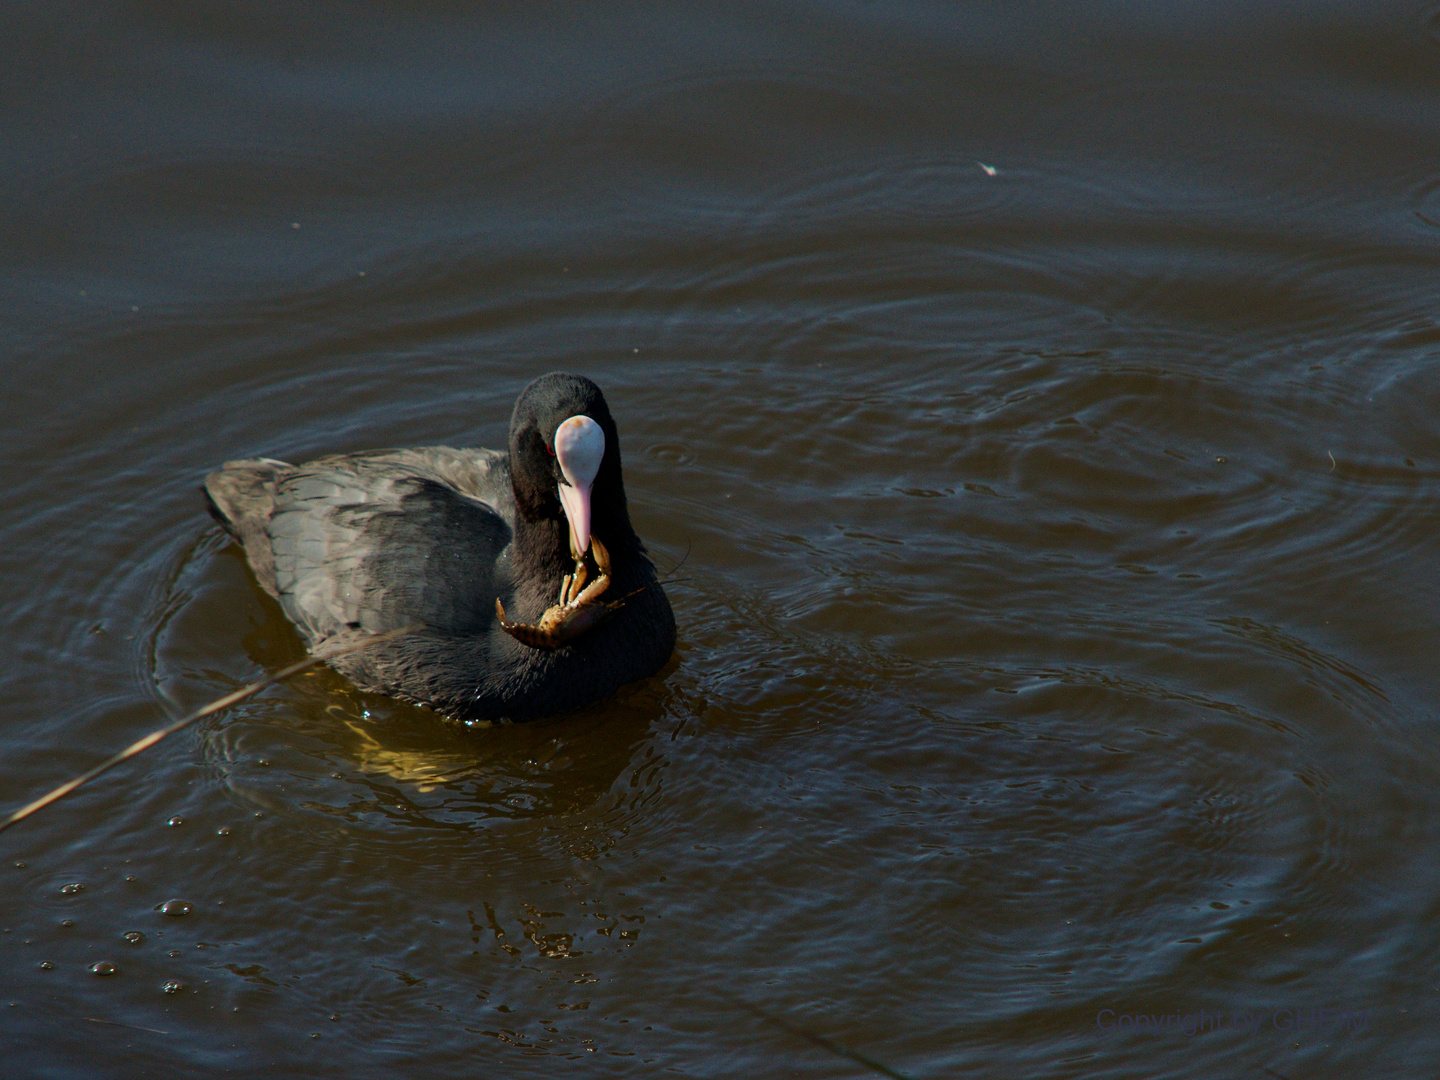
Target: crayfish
577	610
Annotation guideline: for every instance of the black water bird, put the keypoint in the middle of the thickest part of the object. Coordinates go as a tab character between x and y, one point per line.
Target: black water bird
530	590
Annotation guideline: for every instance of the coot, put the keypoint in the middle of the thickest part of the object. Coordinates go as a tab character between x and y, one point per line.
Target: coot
530	589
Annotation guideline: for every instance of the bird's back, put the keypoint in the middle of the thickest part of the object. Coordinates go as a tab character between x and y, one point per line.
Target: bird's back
373	541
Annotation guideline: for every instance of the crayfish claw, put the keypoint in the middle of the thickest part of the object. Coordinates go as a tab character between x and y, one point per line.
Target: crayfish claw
577	581
575	613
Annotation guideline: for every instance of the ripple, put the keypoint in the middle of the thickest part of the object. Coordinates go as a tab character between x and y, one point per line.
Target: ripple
320	760
895	196
1057	628
657	123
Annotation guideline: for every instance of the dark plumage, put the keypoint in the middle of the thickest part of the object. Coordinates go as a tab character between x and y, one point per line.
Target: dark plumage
358	544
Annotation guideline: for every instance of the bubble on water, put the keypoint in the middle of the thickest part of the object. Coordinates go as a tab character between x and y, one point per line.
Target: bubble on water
176	908
224	830
131	877
73	888
20	864
46	965
134	937
67	922
173	952
173	987
103	967
176	820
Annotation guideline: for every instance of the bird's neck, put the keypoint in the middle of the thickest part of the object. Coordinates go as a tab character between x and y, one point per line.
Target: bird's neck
541	545
542	548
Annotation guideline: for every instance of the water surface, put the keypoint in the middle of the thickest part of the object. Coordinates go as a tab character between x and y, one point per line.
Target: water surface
1042	403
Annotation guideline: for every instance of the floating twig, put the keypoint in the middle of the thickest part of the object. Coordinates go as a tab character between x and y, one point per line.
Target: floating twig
819	1040
215	706
132	1027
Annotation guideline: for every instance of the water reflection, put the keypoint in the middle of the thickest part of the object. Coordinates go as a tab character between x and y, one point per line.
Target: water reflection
321	746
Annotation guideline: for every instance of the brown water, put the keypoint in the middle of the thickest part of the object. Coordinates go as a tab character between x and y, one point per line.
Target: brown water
1047	397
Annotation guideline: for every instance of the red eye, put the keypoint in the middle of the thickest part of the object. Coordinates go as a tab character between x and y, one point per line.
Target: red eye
550	450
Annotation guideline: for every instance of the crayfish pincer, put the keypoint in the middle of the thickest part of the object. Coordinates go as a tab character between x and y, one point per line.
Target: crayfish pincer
577	610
